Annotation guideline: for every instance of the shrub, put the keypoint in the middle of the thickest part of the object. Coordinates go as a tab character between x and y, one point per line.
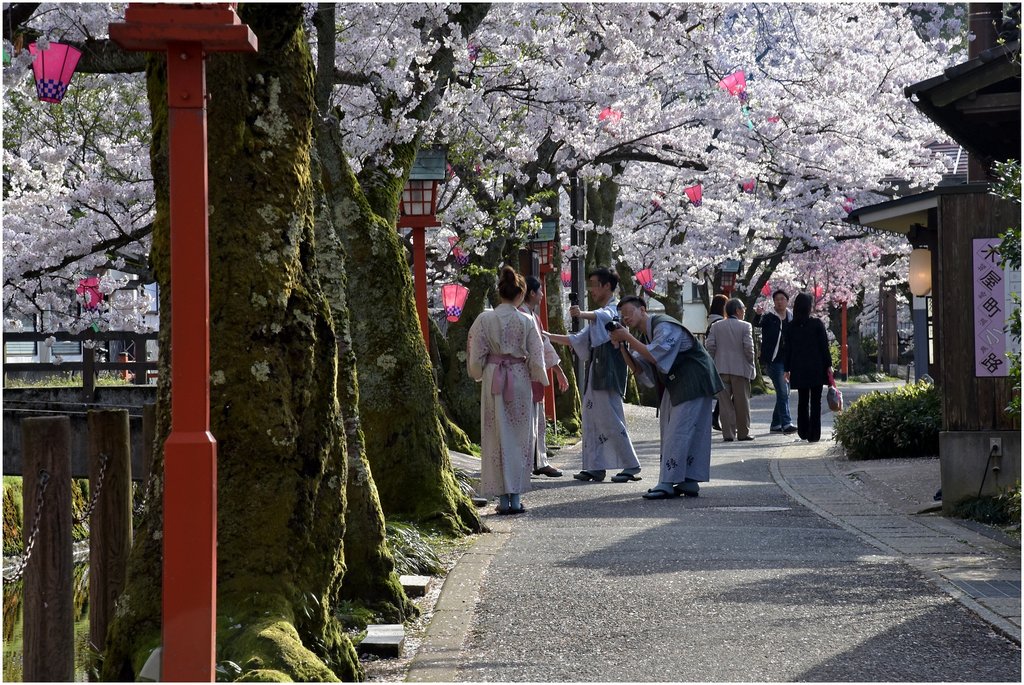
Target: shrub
1001	510
883	425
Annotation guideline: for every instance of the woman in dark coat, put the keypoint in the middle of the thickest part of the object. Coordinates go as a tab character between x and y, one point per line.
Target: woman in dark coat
808	362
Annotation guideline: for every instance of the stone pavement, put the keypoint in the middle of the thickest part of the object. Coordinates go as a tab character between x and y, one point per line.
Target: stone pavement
845	565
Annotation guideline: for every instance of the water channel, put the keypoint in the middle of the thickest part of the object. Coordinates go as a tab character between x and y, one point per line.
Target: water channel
13	626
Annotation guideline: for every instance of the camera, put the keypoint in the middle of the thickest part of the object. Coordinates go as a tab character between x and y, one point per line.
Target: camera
613	324
574	299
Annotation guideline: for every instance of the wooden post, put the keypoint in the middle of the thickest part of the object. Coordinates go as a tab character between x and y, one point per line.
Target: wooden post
110	538
88	374
49	635
148	440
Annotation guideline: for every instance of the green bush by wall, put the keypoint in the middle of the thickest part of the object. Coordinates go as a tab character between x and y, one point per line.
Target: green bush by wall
883	425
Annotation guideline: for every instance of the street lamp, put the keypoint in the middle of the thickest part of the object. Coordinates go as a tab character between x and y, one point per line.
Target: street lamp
730	272
417	211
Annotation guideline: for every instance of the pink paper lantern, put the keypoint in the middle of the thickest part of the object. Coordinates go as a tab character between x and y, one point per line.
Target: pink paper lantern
89	289
53	69
453	295
848	204
818	292
695	194
609	114
735	83
645	279
749	186
766	290
567	278
461	256
774	120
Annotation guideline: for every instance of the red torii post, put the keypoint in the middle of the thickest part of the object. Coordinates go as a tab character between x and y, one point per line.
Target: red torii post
187	33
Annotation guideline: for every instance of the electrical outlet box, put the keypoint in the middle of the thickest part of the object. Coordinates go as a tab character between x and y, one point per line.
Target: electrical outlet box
995	447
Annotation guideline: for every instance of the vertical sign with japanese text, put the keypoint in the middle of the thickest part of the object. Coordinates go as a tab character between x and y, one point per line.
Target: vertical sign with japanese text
990	310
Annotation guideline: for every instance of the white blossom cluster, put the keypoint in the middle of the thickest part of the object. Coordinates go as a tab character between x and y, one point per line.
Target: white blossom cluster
540	93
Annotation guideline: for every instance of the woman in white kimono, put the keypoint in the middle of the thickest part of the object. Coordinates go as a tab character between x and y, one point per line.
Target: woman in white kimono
552	361
505	353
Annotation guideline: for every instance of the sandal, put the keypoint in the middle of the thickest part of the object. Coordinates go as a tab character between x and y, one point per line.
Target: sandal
624	477
587	476
659	494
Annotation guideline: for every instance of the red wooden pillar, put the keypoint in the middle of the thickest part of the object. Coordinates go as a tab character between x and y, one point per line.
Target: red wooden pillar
419	277
844	355
549	391
186	33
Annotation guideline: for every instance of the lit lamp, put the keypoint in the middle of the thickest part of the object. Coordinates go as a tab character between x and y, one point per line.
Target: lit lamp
417	211
921	272
453	295
53	69
645	279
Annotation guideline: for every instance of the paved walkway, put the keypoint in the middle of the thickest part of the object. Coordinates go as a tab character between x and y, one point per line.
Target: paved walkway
794	564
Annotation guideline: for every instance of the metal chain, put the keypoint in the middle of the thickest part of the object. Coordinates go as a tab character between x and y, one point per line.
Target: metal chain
87	514
44	479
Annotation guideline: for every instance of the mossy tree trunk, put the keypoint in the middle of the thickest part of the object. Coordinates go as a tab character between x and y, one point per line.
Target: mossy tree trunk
370	579
274	407
398	401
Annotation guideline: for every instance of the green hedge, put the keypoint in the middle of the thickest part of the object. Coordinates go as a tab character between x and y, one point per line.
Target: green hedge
883	425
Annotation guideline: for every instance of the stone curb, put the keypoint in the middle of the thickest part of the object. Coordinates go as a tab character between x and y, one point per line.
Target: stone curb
815	455
437	659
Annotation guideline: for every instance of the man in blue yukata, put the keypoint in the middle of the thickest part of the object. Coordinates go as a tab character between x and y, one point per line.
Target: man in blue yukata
668	356
606	443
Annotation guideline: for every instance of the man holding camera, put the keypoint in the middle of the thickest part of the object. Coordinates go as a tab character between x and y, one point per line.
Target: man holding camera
606	442
668	356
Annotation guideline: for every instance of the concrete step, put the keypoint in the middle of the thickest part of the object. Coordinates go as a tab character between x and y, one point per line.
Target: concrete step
385	640
414	586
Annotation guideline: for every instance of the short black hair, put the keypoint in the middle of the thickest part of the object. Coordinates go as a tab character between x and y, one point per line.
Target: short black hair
633	300
605	276
734	305
782	292
532	284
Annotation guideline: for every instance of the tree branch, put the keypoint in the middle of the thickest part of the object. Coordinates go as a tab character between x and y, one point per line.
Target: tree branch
103	246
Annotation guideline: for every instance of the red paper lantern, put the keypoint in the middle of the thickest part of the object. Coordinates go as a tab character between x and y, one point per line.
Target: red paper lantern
766	290
818	292
453	295
461	256
749	186
53	69
645	279
89	289
848	204
609	114
695	194
567	278
735	83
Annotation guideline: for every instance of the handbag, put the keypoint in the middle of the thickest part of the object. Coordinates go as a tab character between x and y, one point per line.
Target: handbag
834	396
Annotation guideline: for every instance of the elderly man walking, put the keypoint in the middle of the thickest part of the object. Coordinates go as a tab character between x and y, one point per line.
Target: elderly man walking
731	343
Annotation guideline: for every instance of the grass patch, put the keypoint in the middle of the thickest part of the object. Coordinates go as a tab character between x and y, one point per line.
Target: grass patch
68	379
999	510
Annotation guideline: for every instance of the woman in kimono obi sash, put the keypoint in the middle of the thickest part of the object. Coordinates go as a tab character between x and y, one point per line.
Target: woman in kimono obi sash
505	353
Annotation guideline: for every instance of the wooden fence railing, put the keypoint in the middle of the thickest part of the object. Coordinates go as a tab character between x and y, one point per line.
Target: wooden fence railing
142	370
46	565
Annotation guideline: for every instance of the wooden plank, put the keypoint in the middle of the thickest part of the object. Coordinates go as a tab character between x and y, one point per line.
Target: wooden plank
110	539
49	636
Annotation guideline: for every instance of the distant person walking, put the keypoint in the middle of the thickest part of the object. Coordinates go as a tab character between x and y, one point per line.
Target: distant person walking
807	363
606	442
773	324
506	353
669	357
716	313
731	343
534	293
